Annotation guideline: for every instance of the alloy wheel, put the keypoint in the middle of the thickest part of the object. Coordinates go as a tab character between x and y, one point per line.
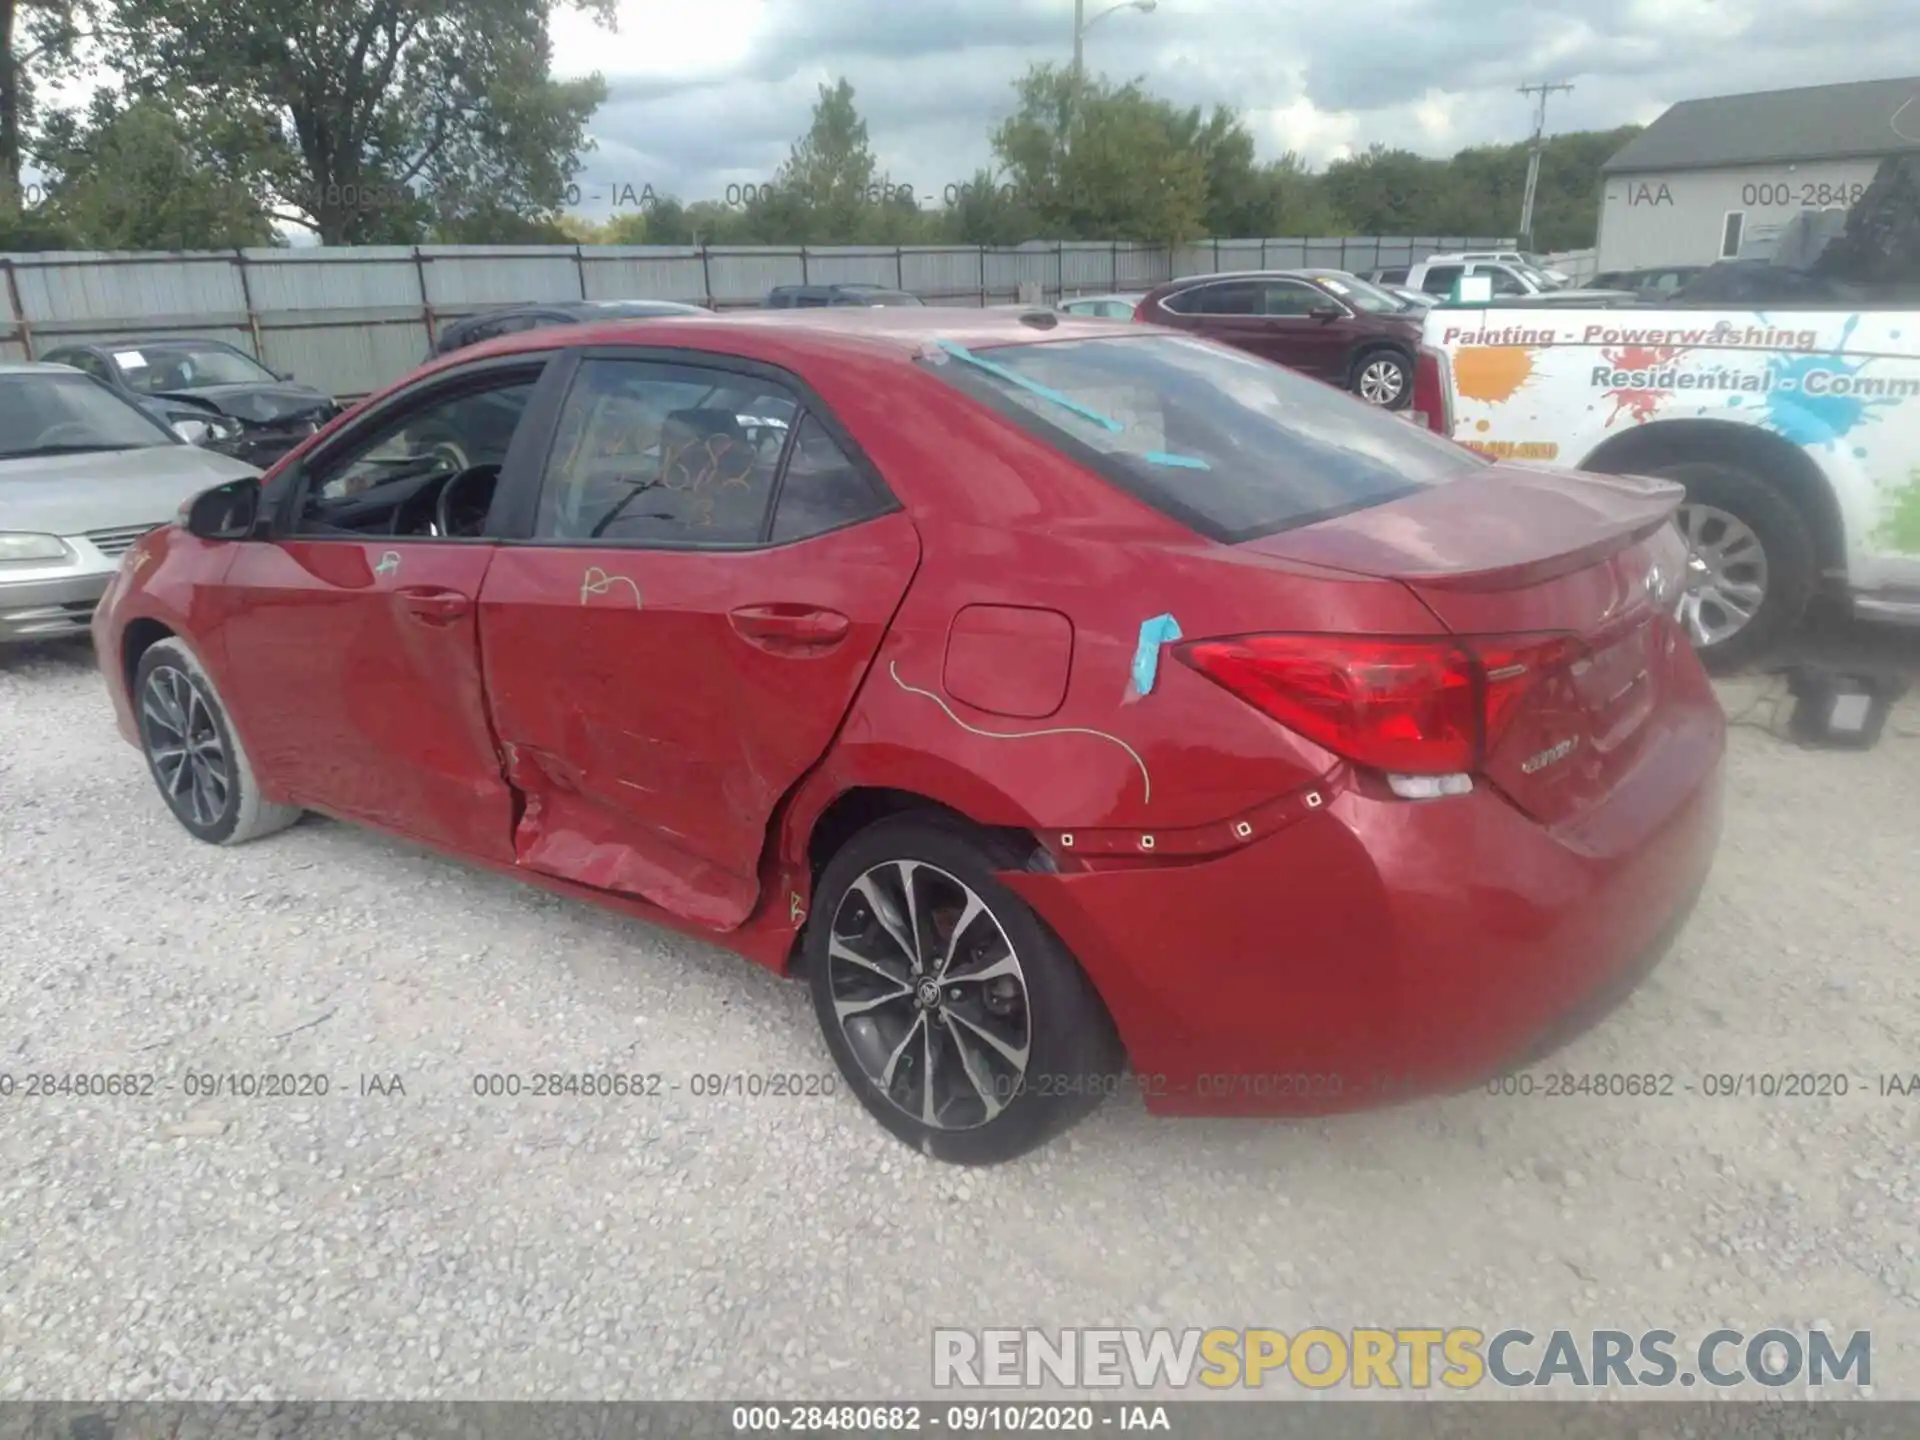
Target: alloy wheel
929	995
1381	381
1727	574
183	742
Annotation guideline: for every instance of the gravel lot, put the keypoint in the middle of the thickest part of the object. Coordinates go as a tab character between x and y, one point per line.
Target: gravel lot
439	1245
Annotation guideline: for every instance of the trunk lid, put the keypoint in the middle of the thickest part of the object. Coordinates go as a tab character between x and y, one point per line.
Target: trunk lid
1575	574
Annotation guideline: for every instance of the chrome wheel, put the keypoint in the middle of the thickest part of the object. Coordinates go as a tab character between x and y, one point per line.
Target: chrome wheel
1726	576
929	994
183	742
1382	380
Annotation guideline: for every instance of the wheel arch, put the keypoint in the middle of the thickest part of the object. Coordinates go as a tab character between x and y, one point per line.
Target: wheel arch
1789	468
139	636
859	806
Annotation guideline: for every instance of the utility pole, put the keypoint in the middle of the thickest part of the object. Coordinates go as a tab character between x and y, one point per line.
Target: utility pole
1533	158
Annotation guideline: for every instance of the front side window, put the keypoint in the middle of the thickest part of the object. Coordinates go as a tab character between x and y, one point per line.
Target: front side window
55	414
655	454
1228	444
1505	282
188	367
472	427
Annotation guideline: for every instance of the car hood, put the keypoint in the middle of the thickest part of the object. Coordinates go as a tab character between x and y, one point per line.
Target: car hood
260	404
106	489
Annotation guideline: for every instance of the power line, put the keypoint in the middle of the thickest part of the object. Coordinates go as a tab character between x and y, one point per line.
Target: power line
1543	90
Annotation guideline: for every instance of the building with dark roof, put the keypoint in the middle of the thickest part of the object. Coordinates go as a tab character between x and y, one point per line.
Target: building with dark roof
1720	179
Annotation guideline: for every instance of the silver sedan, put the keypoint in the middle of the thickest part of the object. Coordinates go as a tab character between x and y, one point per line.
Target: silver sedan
83	474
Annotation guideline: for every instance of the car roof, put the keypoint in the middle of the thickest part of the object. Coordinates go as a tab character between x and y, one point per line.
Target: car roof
35	367
1307	273
160	342
785	337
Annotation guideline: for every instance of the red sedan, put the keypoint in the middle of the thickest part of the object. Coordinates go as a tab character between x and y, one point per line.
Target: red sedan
1077	707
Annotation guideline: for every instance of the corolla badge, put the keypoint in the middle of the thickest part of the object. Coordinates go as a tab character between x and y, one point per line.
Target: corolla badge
1550	757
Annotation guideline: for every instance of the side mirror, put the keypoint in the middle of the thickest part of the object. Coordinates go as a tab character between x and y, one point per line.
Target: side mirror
283	374
1326	312
226	512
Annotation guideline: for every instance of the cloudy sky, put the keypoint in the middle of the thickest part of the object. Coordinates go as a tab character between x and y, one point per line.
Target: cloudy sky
707	94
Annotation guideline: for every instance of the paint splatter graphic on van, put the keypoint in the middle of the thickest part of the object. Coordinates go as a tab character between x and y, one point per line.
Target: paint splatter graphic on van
1638	403
1821	399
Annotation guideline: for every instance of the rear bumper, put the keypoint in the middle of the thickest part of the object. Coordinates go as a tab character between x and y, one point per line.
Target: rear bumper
1380	949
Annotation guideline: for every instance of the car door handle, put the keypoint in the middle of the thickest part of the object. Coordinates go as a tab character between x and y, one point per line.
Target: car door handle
431	605
790	629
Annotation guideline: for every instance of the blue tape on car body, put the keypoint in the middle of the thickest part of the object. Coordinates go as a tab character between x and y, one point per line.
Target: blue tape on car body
1154	633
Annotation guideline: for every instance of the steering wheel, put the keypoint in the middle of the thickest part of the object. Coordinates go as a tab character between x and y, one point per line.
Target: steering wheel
443	502
76	431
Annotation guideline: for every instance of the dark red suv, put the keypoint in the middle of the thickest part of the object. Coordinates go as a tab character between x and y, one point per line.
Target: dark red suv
1329	324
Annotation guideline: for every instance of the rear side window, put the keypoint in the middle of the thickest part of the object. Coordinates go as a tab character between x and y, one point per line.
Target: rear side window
822	489
1230	445
1440	279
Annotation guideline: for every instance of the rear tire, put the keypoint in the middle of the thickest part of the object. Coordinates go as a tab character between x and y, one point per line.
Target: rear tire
986	1003
1383	378
1776	554
194	755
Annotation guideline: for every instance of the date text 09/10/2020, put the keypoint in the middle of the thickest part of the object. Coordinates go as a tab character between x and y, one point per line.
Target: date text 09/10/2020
192	1084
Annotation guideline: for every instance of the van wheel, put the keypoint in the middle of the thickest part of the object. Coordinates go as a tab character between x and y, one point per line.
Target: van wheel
958	1018
1754	568
1383	378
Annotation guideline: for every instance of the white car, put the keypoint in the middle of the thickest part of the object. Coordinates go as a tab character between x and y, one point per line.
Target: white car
1438	275
1105	307
1521	258
83	474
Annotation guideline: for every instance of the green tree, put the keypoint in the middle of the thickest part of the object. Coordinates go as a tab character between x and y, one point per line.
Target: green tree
1109	163
37	43
368	119
822	192
132	178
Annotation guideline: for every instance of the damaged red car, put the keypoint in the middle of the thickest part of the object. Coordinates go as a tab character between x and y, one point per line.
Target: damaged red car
1080	709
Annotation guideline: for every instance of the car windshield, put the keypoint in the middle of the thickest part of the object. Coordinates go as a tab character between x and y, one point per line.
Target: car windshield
51	414
883	297
187	367
1536	275
1230	445
1361	295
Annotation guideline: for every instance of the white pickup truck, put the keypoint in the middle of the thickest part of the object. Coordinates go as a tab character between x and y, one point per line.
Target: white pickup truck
1795	432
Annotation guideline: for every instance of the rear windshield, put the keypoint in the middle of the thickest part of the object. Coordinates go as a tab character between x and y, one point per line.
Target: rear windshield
1232	446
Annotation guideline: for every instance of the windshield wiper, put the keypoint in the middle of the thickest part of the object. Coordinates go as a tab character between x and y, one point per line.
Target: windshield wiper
68	449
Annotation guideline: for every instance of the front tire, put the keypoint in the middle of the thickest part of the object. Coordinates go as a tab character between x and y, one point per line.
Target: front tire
1756	569
957	1017
194	755
1383	378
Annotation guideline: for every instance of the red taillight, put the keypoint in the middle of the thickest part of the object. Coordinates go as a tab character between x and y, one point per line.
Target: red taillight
1432	392
1405	707
1140	313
